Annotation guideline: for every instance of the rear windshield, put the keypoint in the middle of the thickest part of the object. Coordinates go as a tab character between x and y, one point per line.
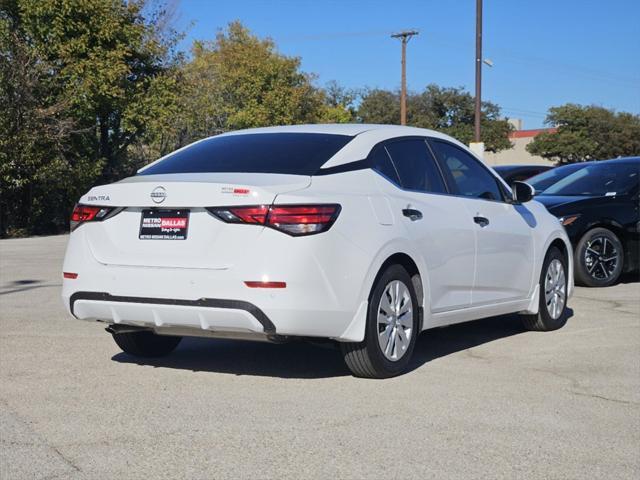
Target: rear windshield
288	153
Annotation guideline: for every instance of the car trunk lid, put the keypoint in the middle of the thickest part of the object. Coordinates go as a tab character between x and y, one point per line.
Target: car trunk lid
208	242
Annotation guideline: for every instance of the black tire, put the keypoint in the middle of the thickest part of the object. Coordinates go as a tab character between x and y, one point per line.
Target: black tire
366	359
593	274
543	321
146	344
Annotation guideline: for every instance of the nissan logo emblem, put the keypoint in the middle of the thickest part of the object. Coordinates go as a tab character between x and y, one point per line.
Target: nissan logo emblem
158	195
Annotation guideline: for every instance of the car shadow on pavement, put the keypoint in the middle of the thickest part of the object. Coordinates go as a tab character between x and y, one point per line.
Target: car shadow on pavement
307	360
289	360
440	342
630	277
23	285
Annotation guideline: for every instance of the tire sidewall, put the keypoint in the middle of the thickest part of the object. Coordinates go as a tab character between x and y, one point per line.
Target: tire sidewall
549	322
582	275
381	363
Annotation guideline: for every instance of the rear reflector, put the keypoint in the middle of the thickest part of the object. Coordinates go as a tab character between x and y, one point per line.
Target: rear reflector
266	284
69	275
295	220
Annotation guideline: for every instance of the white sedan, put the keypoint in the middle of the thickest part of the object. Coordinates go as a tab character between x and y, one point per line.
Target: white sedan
362	234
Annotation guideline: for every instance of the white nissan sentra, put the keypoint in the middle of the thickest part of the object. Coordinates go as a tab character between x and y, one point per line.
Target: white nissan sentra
362	234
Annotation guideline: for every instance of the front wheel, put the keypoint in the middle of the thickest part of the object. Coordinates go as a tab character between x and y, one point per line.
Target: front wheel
598	258
552	312
146	344
391	329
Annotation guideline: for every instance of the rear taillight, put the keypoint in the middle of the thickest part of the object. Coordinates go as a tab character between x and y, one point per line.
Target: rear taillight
87	213
294	220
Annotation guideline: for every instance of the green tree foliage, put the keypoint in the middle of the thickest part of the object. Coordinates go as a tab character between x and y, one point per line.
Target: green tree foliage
587	133
241	81
449	110
90	90
382	107
75	79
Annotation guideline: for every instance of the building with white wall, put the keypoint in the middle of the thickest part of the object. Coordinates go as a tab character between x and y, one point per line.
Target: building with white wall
518	155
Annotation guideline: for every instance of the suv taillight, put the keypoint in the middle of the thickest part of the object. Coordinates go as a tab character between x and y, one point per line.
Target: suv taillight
87	213
295	220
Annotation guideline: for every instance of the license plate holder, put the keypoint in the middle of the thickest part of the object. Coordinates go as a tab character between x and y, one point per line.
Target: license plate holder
164	224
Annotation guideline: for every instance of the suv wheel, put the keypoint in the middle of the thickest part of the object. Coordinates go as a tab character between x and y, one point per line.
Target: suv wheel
391	329
552	312
146	344
598	258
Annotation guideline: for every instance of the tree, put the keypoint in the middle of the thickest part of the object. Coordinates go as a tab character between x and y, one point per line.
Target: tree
39	172
241	81
449	110
341	101
76	78
587	133
380	106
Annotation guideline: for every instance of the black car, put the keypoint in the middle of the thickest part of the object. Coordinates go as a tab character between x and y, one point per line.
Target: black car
519	173
598	206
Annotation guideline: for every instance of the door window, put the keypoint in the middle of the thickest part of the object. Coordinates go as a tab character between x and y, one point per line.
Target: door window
469	176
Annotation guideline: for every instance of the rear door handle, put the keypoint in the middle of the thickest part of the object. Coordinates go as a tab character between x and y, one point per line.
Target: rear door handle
482	221
412	214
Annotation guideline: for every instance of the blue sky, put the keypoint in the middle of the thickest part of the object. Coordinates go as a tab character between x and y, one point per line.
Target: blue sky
545	53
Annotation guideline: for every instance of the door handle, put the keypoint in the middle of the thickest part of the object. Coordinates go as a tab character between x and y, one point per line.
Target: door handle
482	221
412	214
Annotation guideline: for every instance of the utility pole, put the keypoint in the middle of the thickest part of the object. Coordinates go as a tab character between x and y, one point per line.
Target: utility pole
478	69
404	37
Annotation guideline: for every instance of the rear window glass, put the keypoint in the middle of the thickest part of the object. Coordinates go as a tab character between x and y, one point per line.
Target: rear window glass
288	153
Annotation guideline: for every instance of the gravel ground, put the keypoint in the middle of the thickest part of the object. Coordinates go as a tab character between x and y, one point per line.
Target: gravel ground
483	399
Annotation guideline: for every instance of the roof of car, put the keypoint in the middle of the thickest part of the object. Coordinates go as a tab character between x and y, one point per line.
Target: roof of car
623	160
519	167
351	129
594	162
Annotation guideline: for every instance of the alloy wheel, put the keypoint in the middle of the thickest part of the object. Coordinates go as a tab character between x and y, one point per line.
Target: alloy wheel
601	258
395	320
555	289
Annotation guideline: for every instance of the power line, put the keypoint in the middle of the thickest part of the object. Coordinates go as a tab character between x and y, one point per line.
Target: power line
334	35
503	55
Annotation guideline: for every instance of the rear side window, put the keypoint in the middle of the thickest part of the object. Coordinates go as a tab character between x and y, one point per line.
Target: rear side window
469	176
287	153
381	162
416	166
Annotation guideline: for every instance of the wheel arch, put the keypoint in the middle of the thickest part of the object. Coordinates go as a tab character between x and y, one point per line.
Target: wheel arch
561	241
400	253
406	262
562	246
608	224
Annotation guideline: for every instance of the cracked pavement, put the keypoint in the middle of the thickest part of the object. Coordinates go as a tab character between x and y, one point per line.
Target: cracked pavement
483	399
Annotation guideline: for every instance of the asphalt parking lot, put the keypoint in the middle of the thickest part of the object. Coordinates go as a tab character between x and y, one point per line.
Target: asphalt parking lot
483	399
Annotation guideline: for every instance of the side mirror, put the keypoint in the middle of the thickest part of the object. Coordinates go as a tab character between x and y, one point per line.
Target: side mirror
522	192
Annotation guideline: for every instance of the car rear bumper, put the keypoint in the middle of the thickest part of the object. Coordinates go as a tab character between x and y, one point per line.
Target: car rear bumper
205	313
322	296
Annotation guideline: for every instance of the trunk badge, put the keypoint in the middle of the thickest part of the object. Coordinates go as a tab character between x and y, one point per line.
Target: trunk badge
158	194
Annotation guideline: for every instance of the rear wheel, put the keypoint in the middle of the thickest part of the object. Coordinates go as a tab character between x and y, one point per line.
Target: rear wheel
391	329
146	344
598	258
553	295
